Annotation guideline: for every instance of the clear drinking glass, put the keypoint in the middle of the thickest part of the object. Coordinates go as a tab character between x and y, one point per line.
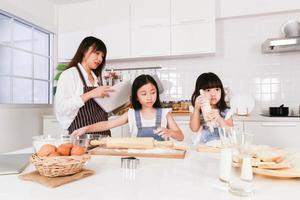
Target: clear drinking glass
241	177
225	134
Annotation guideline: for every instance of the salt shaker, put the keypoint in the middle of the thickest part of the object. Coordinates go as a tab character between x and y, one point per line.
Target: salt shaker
225	164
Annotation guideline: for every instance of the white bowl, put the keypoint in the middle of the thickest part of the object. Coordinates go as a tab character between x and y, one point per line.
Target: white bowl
40	140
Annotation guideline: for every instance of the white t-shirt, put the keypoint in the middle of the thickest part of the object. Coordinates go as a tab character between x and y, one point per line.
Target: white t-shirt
67	97
145	122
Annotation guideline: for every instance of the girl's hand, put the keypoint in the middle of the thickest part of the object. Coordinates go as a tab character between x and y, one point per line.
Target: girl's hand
163	132
198	102
214	115
79	132
101	91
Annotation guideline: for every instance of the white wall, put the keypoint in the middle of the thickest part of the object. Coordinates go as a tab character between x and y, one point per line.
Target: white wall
18	124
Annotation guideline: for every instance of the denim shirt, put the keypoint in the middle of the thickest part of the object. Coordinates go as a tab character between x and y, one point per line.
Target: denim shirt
206	135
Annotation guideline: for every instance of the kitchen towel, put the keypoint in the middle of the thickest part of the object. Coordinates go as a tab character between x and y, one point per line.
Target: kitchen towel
56	181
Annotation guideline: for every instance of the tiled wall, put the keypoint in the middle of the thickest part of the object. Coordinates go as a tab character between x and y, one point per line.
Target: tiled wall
272	79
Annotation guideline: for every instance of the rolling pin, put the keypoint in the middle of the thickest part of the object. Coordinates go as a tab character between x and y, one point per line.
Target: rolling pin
131	143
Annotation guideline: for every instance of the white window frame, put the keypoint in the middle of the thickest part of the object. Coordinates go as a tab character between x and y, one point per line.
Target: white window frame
12	47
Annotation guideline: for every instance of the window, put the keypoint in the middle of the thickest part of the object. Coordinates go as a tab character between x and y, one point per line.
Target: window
25	63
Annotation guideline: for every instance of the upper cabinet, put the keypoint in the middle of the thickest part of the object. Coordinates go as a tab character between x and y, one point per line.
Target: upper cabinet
172	27
68	44
140	28
104	20
192	27
115	30
150	28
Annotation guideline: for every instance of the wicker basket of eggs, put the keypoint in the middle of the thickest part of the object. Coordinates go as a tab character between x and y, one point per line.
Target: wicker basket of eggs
64	159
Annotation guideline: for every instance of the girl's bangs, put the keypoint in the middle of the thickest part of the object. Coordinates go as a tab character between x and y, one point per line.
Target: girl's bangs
212	84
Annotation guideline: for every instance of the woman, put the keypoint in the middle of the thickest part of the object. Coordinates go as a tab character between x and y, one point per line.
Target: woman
78	85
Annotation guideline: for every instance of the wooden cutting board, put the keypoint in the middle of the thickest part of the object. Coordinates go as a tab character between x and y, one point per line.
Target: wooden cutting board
279	173
208	149
153	153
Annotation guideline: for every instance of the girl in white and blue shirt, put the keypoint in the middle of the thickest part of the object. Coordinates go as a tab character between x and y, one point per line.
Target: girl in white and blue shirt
220	112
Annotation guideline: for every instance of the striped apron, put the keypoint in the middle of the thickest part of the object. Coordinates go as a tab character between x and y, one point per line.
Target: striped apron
89	113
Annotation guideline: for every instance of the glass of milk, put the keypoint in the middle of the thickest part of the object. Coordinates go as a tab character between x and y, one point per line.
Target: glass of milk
241	177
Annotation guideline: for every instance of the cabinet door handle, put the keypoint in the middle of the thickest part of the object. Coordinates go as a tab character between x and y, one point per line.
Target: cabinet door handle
150	55
193	21
280	124
151	26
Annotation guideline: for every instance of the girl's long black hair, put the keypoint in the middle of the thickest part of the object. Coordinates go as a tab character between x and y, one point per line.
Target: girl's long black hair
207	81
140	81
84	46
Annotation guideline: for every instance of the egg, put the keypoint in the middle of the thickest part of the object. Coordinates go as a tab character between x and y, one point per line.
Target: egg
46	150
64	149
54	153
78	150
69	145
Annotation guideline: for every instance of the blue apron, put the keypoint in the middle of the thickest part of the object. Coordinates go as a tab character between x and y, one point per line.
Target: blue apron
206	135
148	131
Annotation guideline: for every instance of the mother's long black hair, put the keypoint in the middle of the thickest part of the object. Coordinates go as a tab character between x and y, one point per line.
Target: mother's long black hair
207	81
84	46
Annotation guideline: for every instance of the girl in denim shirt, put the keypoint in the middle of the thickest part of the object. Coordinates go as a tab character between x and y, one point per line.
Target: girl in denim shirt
220	113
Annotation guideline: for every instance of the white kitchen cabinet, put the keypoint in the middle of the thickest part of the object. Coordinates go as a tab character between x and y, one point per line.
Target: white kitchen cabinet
192	27
192	10
115	30
68	43
185	128
274	133
150	28
121	131
105	20
116	38
140	28
239	125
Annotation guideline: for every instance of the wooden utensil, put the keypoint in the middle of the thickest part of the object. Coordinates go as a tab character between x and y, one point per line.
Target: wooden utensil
131	143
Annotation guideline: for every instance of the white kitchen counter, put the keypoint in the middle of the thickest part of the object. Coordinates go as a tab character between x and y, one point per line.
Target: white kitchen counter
194	177
251	117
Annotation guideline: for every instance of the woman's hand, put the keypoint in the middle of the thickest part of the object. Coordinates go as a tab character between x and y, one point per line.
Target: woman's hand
163	132
79	132
101	91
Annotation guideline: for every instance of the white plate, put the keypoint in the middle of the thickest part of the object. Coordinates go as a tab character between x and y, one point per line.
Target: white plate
117	98
242	104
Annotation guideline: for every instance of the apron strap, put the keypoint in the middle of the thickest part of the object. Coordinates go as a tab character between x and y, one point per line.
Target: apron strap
158	117
138	119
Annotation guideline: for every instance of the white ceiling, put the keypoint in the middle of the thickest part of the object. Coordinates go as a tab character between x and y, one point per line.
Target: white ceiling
59	2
